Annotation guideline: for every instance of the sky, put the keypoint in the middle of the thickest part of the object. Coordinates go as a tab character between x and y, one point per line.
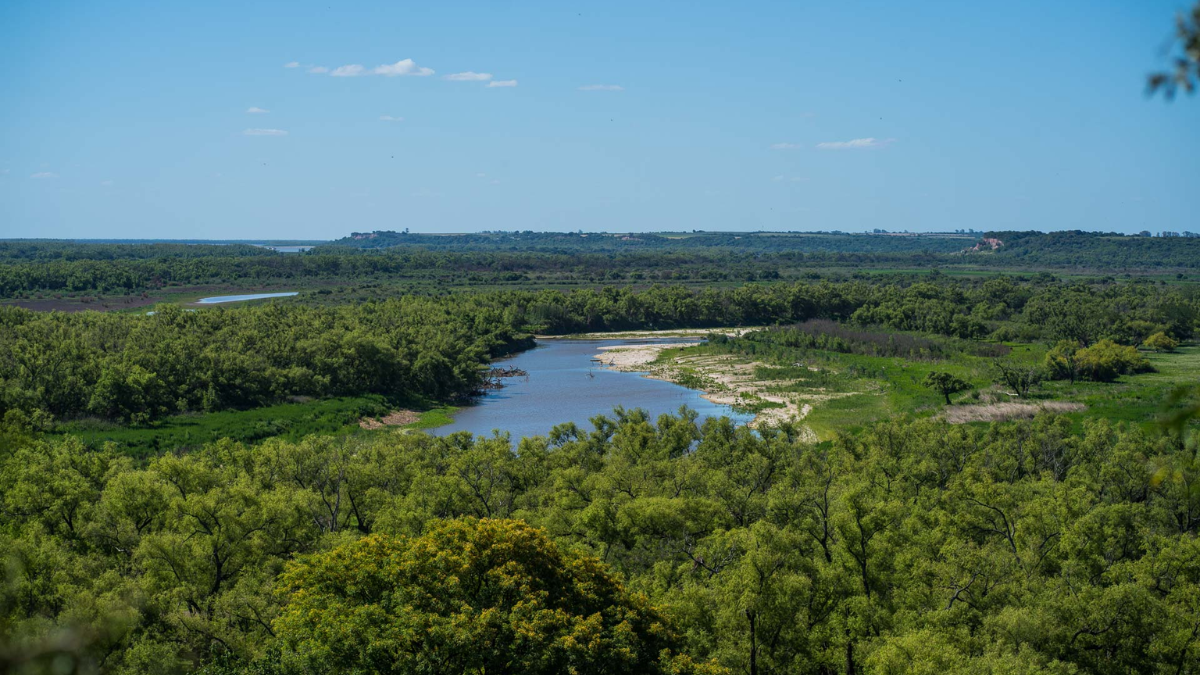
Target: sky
309	120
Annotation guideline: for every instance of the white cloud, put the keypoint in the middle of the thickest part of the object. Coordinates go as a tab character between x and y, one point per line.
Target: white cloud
255	110
292	64
352	70
44	174
855	144
786	146
405	67
602	87
389	118
502	83
468	76
265	132
318	70
481	175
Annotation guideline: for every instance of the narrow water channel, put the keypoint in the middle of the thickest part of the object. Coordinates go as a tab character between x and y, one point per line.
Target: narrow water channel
565	385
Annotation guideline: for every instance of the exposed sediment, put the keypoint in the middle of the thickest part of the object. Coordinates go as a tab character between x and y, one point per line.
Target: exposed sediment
723	379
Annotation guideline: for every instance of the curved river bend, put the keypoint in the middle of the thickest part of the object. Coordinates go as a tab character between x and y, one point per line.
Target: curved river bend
566	385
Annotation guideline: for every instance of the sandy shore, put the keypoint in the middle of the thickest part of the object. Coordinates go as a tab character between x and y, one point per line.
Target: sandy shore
725	380
635	334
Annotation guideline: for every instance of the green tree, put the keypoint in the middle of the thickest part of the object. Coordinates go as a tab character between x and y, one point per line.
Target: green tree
1161	342
1106	360
945	384
1020	376
486	596
1062	361
1185	66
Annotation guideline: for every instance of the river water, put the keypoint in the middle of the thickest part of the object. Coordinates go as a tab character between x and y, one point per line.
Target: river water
565	385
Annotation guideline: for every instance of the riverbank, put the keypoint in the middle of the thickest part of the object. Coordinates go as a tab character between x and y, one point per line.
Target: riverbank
656	334
723	379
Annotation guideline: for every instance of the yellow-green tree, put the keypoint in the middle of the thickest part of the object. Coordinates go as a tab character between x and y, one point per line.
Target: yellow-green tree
1161	342
480	596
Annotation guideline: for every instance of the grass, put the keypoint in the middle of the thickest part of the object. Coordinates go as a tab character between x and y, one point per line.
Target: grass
848	391
433	418
1133	399
184	432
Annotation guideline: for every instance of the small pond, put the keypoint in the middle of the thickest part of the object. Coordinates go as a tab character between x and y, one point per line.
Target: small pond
565	385
218	299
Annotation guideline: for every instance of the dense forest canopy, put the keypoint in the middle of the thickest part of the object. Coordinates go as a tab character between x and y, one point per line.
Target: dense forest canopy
914	547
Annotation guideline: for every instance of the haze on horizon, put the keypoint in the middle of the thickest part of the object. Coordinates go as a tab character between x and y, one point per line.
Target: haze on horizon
257	120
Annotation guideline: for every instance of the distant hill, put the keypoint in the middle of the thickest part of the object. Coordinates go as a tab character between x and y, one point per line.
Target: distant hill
568	242
1008	249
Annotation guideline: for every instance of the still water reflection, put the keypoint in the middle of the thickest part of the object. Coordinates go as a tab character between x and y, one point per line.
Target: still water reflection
565	385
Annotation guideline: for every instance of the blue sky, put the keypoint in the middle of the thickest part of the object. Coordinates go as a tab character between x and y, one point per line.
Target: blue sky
130	119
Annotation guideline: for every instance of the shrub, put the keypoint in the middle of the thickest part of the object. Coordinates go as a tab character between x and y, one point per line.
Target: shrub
1161	342
1062	361
1106	360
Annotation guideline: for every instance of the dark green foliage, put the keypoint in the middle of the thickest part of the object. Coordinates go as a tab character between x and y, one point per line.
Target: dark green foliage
1020	377
945	384
140	368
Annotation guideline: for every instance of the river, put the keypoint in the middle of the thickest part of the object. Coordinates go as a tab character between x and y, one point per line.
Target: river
565	385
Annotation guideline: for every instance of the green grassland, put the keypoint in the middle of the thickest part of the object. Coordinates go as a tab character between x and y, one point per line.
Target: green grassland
850	391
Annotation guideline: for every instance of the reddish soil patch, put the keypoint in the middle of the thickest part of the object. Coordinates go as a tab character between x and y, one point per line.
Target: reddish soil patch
395	418
104	304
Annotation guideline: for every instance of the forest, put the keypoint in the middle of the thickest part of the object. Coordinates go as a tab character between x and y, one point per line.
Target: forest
197	488
34	270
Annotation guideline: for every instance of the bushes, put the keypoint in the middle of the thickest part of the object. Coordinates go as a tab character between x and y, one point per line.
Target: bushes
1161	342
1106	360
1102	362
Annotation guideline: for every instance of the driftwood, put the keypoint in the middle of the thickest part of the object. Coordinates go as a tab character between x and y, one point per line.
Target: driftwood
494	379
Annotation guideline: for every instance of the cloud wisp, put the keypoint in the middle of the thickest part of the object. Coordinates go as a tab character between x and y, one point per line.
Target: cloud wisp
352	70
264	132
292	64
468	76
786	146
389	118
602	87
502	83
255	110
856	144
43	175
402	68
